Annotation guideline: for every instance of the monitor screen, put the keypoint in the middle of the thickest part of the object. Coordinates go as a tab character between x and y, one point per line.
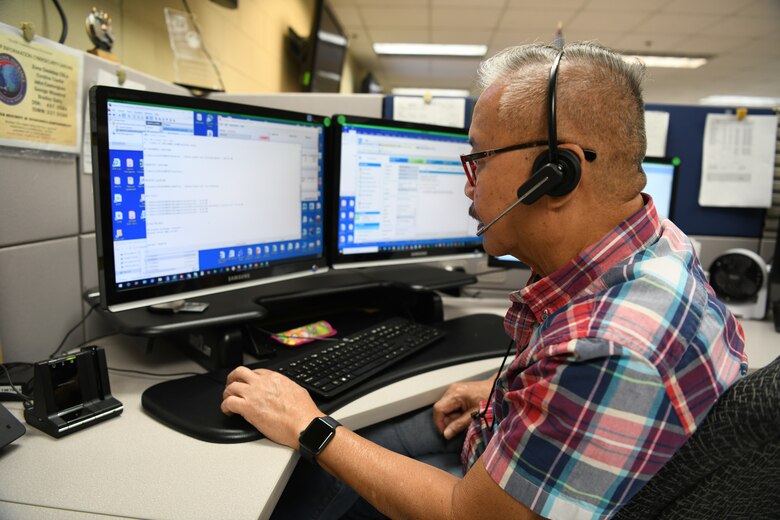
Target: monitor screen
661	177
399	193
195	196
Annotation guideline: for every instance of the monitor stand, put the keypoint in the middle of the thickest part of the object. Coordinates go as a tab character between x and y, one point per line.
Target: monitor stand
214	338
421	276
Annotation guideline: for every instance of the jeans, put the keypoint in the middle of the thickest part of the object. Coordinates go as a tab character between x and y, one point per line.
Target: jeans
313	493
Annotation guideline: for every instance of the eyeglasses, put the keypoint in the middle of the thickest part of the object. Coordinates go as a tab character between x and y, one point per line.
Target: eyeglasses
469	161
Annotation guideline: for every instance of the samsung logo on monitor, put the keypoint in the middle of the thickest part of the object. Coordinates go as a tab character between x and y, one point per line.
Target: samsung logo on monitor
419	253
238	277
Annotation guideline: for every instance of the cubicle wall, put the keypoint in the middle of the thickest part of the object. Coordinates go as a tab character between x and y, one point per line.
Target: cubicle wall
47	237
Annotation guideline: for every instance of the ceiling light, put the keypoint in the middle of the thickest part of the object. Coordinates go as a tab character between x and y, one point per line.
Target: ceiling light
669	62
741	101
429	49
435	92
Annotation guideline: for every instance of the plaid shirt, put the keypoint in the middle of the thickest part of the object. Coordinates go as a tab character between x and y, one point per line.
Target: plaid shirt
620	355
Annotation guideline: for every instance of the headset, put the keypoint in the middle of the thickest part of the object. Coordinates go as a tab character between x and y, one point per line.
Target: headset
557	171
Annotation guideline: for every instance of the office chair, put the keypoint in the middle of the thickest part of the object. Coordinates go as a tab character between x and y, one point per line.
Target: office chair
730	467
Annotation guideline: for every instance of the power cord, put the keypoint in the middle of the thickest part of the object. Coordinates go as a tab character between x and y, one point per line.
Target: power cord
77	325
25	398
64	33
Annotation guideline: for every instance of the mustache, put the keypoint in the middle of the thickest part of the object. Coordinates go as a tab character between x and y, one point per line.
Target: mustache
473	213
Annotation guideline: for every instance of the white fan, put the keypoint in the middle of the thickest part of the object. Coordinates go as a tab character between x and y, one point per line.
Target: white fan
739	277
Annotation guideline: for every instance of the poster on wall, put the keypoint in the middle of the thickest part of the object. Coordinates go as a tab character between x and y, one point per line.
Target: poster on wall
40	85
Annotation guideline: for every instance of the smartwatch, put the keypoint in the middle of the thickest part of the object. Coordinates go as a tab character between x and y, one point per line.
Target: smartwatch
316	436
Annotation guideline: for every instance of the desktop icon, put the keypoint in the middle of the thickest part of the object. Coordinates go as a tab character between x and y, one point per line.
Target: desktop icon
130	181
116	163
129	162
131	215
117	198
141	179
118	216
231	253
118	233
117	181
143	214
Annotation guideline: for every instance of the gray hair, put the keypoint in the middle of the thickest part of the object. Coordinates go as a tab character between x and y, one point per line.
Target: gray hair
598	97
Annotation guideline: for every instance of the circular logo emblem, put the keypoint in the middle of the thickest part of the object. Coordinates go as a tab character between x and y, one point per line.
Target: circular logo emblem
13	82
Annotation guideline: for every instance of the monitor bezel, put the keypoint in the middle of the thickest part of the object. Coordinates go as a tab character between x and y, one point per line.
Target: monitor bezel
113	299
382	258
675	164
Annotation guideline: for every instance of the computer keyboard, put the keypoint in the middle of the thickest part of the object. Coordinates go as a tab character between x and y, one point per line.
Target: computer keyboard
334	369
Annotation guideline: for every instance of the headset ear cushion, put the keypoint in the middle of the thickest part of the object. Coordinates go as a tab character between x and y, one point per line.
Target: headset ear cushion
570	169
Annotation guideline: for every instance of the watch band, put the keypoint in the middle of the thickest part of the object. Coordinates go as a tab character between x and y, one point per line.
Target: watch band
316	437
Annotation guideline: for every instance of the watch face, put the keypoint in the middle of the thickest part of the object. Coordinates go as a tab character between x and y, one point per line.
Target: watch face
316	435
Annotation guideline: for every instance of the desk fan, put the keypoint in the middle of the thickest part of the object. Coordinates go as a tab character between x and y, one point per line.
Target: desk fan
739	277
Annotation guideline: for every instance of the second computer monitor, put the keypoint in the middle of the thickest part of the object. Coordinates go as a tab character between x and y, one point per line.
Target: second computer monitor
399	193
661	175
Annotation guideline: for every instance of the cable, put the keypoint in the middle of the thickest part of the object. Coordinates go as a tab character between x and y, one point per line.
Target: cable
62	343
483	413
203	45
208	375
64	33
26	398
155	374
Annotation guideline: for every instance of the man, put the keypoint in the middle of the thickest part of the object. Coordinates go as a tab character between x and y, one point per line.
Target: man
622	347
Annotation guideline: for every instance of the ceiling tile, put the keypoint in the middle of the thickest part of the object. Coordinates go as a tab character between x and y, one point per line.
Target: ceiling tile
568	5
763	9
711	44
482	37
400	17
737	25
348	16
483	18
630	6
720	7
400	35
644	42
538	22
677	23
606	21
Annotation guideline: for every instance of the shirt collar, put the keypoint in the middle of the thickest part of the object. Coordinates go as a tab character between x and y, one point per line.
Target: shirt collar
546	295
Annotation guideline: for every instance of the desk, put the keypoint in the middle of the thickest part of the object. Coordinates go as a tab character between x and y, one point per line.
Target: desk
132	466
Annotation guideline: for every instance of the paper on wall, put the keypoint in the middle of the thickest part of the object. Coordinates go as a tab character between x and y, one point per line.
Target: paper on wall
440	111
40	93
738	161
657	129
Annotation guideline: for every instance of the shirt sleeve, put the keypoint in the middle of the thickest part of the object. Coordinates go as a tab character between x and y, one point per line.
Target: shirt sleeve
582	433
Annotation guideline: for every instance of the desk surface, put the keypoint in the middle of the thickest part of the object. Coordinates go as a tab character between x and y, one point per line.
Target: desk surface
132	466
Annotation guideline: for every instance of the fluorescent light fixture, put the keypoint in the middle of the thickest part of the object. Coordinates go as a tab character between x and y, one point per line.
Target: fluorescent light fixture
741	101
435	92
429	49
670	62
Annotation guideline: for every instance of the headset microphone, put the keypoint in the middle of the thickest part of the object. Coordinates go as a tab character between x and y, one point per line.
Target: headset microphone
532	193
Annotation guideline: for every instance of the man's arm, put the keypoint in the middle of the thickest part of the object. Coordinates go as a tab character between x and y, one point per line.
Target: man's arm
401	487
398	486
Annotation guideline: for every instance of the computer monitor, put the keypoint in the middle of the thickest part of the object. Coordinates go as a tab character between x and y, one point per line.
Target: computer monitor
661	175
661	184
398	193
194	196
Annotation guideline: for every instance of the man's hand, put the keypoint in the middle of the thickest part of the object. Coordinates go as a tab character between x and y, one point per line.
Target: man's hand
452	413
271	402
